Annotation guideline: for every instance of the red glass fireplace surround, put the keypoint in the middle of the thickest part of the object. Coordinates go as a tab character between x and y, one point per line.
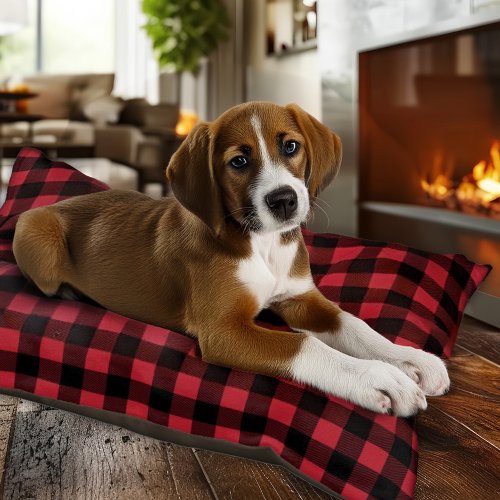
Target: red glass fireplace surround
429	145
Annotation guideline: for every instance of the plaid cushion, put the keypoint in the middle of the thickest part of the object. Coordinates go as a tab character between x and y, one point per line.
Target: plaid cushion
79	353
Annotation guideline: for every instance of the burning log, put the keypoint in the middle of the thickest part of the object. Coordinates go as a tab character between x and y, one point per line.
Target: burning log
477	193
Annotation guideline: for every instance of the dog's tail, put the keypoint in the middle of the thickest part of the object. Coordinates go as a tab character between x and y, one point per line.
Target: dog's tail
40	248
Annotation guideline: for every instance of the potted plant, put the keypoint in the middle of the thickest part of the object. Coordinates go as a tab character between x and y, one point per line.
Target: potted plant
184	32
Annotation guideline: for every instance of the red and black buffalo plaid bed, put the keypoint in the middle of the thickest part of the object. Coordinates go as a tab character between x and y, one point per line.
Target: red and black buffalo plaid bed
79	353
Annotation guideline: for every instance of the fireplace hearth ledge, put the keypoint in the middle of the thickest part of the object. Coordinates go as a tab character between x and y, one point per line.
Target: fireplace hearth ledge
438	215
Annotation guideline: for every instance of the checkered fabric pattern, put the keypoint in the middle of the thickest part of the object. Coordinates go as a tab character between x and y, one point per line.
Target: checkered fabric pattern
79	353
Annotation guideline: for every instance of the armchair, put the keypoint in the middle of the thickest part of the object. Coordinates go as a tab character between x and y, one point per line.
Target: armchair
143	139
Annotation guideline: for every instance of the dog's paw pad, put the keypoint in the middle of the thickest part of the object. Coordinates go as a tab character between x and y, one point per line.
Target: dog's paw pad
384	403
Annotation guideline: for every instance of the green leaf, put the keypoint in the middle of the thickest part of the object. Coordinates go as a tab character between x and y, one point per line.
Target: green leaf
185	31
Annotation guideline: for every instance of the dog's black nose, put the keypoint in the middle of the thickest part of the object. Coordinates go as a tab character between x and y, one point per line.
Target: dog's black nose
282	202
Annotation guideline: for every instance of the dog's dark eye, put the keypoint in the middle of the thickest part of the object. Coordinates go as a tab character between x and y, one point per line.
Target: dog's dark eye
290	147
239	162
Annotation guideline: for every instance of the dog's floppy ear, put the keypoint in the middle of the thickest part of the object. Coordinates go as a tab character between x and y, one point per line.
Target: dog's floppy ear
323	148
192	178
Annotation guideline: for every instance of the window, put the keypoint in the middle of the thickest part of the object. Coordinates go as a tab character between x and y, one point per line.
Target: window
78	37
74	37
18	51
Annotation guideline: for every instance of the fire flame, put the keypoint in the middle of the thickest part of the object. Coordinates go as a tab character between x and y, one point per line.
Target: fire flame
479	189
487	175
438	189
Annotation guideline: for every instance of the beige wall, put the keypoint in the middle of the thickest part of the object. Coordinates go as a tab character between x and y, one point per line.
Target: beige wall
219	84
226	68
291	78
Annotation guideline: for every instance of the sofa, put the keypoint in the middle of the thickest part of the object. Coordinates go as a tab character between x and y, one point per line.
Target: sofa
83	119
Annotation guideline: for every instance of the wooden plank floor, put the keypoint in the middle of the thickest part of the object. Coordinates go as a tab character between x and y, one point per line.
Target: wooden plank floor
50	454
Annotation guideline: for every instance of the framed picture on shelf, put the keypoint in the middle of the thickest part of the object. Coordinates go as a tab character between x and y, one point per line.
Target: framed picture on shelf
291	26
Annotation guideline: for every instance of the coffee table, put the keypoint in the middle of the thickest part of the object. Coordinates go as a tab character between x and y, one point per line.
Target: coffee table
11	117
8	99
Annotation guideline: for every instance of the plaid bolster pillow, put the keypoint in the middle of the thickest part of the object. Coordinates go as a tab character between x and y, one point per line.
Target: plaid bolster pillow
78	353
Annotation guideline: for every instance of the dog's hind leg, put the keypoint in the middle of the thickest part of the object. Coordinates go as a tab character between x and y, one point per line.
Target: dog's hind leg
40	248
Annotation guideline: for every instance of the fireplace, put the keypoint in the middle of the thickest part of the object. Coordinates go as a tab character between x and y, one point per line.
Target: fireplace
429	148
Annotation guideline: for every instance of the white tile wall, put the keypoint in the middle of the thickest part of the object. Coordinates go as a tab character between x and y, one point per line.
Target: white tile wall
421	13
482	5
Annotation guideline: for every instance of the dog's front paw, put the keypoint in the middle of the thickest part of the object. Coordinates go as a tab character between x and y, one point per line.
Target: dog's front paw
427	370
386	389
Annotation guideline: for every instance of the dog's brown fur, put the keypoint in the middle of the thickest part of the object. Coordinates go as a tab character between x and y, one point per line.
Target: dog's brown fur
174	262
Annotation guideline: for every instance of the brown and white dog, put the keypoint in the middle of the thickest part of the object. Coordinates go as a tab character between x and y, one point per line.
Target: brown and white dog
227	246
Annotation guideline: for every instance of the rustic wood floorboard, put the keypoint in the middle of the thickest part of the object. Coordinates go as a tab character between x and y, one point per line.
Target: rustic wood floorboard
480	338
55	454
7	414
474	397
50	454
459	434
250	479
454	462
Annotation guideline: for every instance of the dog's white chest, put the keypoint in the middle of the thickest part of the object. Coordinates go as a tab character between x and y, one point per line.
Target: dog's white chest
266	273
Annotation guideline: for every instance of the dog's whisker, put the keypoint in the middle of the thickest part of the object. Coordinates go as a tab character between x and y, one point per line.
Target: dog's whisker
233	212
247	222
238	210
318	199
310	217
253	221
317	205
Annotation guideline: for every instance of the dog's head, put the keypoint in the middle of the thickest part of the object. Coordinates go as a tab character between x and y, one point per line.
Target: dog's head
259	164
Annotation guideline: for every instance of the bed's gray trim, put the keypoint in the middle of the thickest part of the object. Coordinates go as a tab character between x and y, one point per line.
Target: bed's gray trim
156	431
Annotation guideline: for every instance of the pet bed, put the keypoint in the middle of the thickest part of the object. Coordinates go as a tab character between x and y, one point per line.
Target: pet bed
80	357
